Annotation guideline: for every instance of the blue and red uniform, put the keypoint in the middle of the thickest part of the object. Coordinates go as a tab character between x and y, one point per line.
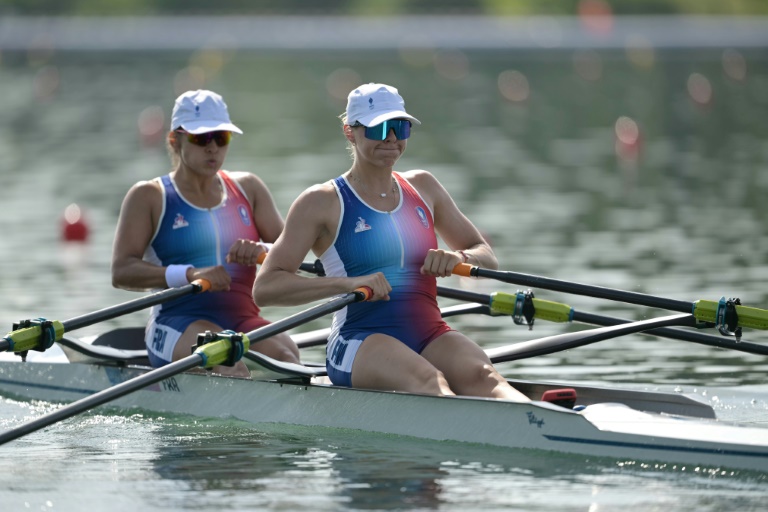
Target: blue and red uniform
187	234
396	244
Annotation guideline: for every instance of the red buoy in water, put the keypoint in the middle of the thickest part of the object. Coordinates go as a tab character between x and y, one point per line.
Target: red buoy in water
74	227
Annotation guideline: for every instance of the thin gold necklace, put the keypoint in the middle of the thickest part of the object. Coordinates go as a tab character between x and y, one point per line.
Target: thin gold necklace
365	187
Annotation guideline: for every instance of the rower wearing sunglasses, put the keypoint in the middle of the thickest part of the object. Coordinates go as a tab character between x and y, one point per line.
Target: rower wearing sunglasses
375	227
198	222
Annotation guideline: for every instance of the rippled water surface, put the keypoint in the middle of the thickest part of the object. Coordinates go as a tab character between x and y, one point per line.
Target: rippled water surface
644	174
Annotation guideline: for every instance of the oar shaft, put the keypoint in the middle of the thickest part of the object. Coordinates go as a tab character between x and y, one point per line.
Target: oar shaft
308	315
588	290
602	320
102	397
567	341
40	334
678	334
130	306
205	355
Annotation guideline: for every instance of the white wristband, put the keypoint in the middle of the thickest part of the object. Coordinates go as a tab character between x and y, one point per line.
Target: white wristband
176	275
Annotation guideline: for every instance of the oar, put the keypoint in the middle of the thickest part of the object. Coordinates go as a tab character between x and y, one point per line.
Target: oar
561	342
320	336
721	313
40	334
501	303
228	348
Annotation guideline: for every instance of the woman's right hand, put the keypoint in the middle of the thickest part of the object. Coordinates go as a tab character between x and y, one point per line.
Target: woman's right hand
217	276
376	282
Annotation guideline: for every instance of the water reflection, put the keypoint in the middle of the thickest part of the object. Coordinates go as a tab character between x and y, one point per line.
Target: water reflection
286	467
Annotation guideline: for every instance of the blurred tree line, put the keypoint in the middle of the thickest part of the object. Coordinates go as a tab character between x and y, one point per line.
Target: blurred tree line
377	8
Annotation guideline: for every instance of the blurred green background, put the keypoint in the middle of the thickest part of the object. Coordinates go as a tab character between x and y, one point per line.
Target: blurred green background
364	7
616	150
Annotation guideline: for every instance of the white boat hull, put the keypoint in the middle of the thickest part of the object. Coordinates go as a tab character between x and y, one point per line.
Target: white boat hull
606	430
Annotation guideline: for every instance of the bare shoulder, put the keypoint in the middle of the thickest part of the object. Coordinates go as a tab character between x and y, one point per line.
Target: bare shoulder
146	192
249	182
316	197
426	184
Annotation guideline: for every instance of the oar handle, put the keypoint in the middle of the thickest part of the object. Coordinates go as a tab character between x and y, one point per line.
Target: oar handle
203	285
463	269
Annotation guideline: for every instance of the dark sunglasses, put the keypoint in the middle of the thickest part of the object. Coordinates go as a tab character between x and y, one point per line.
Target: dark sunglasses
221	138
402	129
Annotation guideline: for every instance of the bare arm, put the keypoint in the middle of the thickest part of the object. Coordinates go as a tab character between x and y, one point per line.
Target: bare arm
267	218
310	224
456	230
138	217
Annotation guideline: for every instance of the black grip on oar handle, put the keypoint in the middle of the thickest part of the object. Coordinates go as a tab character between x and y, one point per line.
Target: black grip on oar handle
363	293
201	285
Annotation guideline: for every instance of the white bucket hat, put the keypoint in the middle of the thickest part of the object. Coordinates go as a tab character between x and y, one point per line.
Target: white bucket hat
372	104
201	111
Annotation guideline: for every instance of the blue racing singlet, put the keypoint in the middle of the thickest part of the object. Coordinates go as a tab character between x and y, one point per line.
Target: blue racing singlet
395	243
188	234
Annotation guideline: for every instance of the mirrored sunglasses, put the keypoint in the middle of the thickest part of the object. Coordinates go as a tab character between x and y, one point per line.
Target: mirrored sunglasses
221	138
402	128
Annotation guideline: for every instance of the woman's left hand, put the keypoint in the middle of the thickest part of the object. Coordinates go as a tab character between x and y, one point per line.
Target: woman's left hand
245	252
440	263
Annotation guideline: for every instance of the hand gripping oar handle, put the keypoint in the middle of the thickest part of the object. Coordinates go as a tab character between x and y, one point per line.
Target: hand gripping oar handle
704	311
40	334
207	355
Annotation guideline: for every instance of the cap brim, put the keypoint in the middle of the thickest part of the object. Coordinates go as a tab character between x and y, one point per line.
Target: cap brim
208	126
374	119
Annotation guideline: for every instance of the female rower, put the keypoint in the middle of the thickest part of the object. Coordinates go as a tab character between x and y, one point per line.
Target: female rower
375	227
198	222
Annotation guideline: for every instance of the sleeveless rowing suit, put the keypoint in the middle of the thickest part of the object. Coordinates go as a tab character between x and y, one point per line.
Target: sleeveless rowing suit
396	244
188	234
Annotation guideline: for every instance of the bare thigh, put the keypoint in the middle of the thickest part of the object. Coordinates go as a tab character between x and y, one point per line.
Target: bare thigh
383	362
467	368
184	348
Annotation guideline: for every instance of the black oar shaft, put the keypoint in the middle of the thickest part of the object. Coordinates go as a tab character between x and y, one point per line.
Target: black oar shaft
588	290
594	319
678	334
567	341
305	316
182	365
102	397
128	307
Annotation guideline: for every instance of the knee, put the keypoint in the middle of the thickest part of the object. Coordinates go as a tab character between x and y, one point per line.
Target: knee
280	347
431	381
483	373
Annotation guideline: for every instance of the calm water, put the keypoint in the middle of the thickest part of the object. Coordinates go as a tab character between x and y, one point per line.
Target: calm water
630	169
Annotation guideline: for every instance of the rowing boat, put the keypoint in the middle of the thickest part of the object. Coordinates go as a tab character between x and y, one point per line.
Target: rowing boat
620	424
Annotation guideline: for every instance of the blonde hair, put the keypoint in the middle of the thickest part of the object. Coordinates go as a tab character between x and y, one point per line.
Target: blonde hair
350	146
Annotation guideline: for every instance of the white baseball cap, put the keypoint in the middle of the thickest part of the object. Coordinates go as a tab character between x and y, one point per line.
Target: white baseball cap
372	104
201	111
